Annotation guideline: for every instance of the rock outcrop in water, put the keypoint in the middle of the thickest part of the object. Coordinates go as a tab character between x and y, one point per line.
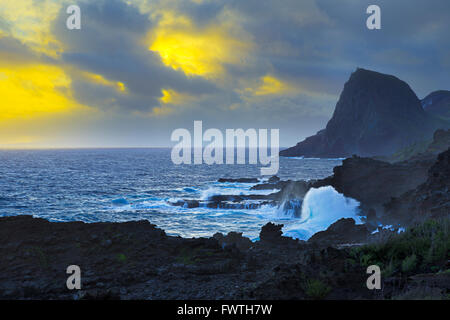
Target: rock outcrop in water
378	185
377	114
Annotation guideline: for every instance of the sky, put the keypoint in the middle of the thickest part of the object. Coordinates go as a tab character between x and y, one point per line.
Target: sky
138	69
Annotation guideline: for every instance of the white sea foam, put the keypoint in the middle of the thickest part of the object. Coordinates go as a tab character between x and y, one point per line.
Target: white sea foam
320	208
232	189
302	218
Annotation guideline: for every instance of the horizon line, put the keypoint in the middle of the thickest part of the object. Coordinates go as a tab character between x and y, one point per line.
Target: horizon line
91	148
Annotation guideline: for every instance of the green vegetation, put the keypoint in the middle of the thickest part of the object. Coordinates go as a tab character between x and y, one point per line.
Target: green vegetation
422	248
316	289
409	264
409	151
121	258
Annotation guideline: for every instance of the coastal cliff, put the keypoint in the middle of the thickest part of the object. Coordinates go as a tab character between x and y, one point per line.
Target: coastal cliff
377	114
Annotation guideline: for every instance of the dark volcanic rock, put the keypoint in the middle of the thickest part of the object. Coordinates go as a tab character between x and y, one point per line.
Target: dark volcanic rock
374	182
430	199
136	260
270	186
271	232
343	231
274	179
377	114
234	239
438	103
186	203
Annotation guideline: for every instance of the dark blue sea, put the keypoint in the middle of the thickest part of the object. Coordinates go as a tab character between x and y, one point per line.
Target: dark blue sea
94	185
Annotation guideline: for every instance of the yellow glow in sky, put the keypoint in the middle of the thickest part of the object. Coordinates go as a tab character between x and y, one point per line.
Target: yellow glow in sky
196	51
173	97
161	111
30	22
269	85
169	99
33	90
99	79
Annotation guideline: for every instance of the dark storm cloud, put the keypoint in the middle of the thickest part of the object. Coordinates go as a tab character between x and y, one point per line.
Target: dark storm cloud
314	45
327	39
12	50
111	43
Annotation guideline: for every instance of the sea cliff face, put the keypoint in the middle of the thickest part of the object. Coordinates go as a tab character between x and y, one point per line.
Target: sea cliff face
430	199
373	182
377	114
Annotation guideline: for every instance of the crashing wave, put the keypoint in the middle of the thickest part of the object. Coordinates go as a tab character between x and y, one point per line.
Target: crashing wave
290	209
322	207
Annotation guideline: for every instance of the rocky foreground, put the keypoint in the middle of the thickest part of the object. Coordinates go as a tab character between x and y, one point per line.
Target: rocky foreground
136	260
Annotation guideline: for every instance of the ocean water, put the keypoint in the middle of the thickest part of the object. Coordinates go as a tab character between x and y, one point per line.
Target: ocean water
93	185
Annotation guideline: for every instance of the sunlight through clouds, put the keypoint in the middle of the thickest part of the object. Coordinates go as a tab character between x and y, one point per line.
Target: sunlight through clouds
30	22
169	100
268	85
196	51
271	85
34	90
99	79
150	65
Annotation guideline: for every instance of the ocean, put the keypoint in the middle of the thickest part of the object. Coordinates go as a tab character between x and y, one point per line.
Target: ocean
117	185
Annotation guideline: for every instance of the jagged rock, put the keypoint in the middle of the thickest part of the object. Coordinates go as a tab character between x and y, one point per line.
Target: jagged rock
186	203
271	232
270	186
377	114
343	231
142	262
374	182
274	179
233	239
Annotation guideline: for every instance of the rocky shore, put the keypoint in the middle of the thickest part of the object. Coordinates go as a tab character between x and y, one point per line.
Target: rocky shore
136	260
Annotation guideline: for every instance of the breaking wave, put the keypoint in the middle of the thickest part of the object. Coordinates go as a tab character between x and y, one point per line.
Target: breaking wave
322	207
